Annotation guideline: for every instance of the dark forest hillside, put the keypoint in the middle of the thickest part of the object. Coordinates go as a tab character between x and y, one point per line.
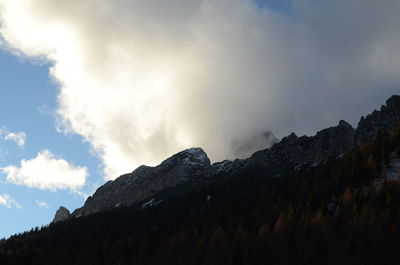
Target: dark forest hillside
345	211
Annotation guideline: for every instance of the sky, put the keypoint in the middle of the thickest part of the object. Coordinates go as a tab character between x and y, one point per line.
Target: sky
91	89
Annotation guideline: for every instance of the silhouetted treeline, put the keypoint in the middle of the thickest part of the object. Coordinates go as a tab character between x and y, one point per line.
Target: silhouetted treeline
342	212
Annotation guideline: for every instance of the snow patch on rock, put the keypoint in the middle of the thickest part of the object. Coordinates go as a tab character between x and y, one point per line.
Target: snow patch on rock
150	203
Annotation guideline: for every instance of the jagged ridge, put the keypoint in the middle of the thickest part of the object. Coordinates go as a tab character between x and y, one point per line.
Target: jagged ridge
193	164
146	181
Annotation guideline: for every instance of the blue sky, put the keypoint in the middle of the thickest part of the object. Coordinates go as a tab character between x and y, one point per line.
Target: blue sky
93	95
27	104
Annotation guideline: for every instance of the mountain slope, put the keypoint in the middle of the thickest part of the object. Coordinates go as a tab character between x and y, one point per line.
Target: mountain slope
193	165
343	211
274	208
146	181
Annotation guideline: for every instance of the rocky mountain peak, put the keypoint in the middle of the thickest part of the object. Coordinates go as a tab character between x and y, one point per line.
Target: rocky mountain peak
189	158
295	150
387	118
145	181
393	103
62	214
291	138
344	124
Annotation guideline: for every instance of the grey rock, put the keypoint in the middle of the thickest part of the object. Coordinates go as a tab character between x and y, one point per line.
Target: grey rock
61	215
326	144
329	143
386	119
145	181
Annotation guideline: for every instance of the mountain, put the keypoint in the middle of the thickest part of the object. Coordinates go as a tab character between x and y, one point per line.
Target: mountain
62	214
299	151
145	181
333	198
387	118
193	165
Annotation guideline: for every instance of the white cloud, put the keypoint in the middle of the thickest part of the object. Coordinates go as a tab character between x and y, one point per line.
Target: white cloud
47	172
8	202
42	204
19	138
141	80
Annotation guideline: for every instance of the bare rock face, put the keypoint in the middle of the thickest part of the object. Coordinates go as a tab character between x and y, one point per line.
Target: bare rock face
326	144
331	142
145	181
387	118
62	214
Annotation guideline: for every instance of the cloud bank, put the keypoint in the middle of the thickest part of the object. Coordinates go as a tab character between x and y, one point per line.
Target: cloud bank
47	172
141	80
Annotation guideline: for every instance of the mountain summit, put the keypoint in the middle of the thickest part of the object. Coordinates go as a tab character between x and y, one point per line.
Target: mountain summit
62	214
145	181
387	118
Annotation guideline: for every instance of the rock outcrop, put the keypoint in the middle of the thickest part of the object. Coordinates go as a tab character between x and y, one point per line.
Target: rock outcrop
62	214
145	181
331	142
387	118
326	144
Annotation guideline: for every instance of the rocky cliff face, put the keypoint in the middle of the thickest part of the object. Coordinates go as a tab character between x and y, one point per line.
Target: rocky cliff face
193	164
326	144
387	118
62	214
145	181
331	142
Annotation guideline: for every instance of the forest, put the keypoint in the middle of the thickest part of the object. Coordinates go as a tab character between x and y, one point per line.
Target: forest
344	211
